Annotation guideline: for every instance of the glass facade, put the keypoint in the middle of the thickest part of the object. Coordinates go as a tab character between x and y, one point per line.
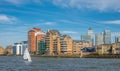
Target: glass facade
107	37
86	38
14	49
91	33
98	39
42	47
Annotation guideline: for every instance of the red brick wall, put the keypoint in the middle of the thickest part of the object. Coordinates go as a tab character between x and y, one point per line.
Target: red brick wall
33	40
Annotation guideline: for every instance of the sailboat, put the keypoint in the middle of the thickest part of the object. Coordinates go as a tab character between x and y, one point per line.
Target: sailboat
26	55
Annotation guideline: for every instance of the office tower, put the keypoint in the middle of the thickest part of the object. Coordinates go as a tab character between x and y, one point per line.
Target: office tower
91	33
107	37
34	36
99	39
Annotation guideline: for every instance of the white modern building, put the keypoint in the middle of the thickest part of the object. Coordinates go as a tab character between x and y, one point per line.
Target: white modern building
19	48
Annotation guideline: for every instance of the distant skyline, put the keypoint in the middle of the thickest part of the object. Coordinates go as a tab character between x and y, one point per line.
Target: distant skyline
72	17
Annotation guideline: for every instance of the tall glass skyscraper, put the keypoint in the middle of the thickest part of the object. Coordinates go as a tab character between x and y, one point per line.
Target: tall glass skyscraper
99	39
91	34
107	37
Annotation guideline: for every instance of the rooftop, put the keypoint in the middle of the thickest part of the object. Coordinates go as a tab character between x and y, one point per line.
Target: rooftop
35	30
54	31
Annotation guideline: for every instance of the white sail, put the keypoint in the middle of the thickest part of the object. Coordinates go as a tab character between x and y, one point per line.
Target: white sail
26	55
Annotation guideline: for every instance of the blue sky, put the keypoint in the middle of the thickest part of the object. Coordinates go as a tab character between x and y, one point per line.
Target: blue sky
72	17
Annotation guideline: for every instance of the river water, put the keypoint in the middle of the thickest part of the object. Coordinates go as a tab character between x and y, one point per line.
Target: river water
16	63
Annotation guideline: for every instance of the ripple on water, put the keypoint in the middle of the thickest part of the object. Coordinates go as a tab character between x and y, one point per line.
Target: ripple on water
59	64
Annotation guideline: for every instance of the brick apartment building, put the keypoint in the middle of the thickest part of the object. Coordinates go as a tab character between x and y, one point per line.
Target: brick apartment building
34	36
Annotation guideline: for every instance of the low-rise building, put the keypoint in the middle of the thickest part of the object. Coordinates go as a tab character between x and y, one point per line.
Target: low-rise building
98	49
116	48
19	48
104	49
2	50
9	50
87	50
78	45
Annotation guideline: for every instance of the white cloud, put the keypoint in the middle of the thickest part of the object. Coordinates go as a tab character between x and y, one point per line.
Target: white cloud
14	1
69	32
101	5
4	19
112	22
21	2
49	23
73	21
17	2
68	21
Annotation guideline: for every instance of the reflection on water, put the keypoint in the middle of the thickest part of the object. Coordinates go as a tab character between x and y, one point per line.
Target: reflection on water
27	62
15	63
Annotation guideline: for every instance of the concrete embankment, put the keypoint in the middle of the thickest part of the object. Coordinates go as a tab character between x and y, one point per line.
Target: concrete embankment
78	56
102	56
71	56
59	56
